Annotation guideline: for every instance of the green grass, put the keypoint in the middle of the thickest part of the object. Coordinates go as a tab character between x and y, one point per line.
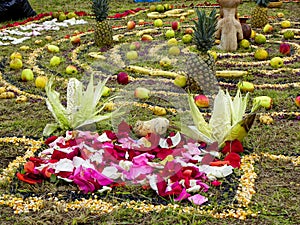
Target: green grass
277	186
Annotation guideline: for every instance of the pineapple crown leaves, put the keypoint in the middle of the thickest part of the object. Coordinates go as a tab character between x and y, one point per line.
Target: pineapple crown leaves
205	29
262	3
100	9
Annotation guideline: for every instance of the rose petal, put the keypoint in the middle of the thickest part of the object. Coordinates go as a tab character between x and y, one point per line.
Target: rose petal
197	199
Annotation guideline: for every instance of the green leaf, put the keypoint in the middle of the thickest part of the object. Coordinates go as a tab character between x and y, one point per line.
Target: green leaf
53	178
198	118
220	121
54	105
50	128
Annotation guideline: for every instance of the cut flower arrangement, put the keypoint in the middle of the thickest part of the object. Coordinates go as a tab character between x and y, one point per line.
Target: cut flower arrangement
177	166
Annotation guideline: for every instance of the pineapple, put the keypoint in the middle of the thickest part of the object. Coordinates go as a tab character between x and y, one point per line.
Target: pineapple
103	31
202	65
259	15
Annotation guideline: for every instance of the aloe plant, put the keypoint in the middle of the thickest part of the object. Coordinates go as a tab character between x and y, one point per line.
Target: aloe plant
82	109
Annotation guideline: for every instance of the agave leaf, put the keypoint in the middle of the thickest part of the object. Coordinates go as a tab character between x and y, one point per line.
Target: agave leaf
50	128
74	98
94	119
98	91
220	121
240	130
54	105
237	106
198	118
194	133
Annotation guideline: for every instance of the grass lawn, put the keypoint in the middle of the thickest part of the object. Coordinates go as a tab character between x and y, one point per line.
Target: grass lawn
274	149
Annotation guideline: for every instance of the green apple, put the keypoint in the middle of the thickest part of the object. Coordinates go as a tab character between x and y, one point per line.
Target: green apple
71	70
260	39
142	93
174	50
71	15
268	28
244	43
55	61
158	23
152	8
172	42
27	75
16	55
62	17
285	24
160	8
41	81
165	62
289	34
105	91
246	86
131	55
180	81
276	62
170	34
187	38
16	64
261	54
53	48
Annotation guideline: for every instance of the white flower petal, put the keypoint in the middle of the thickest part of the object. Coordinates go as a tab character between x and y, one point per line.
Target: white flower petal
65	165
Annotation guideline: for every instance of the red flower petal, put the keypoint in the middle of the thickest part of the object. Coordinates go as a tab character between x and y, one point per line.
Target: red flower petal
27	179
234	159
29	167
233	146
216	183
50	140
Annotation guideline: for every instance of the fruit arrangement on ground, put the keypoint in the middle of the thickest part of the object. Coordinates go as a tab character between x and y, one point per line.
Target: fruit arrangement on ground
153	67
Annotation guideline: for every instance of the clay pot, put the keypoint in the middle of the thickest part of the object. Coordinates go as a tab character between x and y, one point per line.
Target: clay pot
245	27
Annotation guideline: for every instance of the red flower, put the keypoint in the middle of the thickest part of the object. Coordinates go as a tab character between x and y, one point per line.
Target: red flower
233	146
50	140
29	178
216	183
234	159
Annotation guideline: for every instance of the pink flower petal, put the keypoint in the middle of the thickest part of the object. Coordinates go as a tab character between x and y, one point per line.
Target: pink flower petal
183	195
197	199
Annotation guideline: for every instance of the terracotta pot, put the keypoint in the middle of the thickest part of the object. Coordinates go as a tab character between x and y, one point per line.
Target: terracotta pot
245	27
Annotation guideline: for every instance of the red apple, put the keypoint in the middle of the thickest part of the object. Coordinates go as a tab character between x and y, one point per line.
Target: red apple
297	101
285	49
188	30
122	78
147	37
202	101
75	40
135	45
175	25
130	25
141	22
